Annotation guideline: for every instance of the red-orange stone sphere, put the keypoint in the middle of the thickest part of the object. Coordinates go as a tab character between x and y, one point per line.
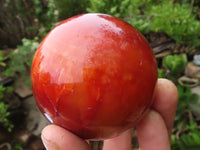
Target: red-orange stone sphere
94	75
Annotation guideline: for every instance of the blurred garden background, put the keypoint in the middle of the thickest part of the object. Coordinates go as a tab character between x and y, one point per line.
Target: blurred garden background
172	28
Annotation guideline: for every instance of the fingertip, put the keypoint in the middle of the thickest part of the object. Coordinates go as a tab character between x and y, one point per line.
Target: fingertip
58	138
165	101
167	86
47	138
165	98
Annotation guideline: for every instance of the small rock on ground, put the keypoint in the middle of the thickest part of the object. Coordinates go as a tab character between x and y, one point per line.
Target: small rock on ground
196	90
35	120
21	89
192	70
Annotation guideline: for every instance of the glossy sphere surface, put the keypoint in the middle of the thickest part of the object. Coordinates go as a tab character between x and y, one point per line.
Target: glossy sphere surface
94	75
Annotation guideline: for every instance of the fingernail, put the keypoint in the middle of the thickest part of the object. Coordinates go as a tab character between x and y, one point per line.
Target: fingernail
49	145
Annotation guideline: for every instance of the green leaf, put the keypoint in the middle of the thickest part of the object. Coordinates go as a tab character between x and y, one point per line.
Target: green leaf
3	116
161	73
175	63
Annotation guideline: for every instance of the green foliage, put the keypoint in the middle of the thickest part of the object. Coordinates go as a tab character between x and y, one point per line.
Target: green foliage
44	13
70	8
116	8
173	66
4	117
2	59
175	63
21	59
141	16
161	73
4	113
186	135
2	89
26	19
18	146
174	19
5	90
189	140
178	20
47	16
185	102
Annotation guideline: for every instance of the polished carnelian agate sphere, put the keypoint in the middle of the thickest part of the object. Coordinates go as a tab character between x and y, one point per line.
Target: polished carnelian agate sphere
94	75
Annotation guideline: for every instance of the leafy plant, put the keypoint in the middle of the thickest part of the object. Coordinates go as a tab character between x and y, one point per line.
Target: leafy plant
4	90
4	114
18	146
175	63
116	8
26	19
186	135
2	59
161	73
21	59
176	19
189	140
70	8
47	16
186	100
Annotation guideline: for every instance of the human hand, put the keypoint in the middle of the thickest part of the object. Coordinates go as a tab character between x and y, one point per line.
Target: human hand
153	131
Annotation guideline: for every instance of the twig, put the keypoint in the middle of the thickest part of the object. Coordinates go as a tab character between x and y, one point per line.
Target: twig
190	115
21	24
179	132
192	5
6	145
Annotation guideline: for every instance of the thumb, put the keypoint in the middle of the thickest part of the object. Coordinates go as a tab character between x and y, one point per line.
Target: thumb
57	138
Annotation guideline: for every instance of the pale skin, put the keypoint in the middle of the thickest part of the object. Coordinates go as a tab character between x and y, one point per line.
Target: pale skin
153	131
